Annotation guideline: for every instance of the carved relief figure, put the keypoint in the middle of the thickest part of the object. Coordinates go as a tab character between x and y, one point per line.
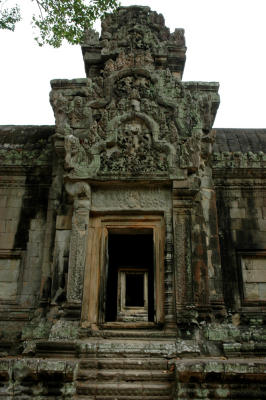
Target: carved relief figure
77	159
134	152
79	113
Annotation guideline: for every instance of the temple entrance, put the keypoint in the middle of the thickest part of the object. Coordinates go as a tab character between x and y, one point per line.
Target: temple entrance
124	275
130	282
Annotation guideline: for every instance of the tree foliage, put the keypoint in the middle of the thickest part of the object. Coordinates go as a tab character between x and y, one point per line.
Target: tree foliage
9	16
58	19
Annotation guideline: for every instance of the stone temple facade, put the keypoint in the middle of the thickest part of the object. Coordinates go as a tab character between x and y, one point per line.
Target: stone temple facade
133	235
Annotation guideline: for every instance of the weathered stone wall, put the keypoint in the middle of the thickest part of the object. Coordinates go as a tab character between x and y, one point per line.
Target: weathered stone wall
220	380
242	229
11	204
26	162
36	379
240	180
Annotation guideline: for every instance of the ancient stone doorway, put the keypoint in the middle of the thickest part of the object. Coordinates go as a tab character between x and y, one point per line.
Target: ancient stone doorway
124	253
130	281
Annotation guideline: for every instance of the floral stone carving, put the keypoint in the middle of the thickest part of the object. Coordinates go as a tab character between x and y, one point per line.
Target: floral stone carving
134	117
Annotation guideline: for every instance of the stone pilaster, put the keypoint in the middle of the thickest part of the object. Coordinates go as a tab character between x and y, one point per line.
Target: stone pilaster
78	242
53	201
214	258
208	222
169	300
182	205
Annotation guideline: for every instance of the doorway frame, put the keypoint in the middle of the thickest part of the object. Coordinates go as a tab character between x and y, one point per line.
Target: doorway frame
96	269
123	310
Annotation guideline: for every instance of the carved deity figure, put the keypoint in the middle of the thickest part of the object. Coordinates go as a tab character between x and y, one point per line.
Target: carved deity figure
76	160
79	113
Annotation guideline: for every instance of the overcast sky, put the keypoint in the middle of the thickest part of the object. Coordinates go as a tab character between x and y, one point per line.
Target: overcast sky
225	42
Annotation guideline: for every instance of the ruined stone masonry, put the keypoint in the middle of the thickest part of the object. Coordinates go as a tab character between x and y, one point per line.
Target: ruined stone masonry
132	234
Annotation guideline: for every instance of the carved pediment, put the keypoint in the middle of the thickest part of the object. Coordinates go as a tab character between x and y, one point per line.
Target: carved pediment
132	148
132	118
134	36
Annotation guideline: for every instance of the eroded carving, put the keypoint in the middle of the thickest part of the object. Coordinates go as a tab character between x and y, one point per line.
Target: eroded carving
37	154
136	117
133	198
78	157
78	240
238	159
134	151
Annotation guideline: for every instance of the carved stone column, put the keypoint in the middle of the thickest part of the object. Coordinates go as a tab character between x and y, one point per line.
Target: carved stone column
169	299
78	243
215	284
182	205
55	193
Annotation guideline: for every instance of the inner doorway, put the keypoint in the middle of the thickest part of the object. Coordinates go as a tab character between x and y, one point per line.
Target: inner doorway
129	244
130	276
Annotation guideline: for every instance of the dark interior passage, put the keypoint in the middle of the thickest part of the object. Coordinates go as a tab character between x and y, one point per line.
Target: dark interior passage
129	251
135	298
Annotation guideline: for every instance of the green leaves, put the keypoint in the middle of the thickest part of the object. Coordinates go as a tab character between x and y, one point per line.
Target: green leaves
9	17
60	19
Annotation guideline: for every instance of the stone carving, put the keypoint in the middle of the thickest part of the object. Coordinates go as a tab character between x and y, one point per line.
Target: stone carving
179	243
128	199
79	238
37	154
136	117
92	37
190	151
79	113
137	32
239	160
178	36
77	159
134	151
78	190
156	134
61	106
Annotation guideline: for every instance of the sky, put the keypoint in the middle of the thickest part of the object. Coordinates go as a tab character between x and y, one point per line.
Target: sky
225	42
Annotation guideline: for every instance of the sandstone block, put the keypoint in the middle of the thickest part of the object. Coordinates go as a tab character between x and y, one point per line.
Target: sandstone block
9	213
251	291
8	290
33	249
236	223
37	224
36	236
262	291
237	212
234	204
242	203
255	275
14	201
6	240
2	226
64	222
63	236
262	225
3	200
11	225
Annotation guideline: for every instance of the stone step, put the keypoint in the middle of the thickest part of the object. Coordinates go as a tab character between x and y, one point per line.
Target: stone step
135	326
127	349
125	363
120	375
138	388
128	397
116	333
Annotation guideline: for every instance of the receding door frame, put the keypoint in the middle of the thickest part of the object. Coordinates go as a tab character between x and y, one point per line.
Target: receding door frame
96	270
